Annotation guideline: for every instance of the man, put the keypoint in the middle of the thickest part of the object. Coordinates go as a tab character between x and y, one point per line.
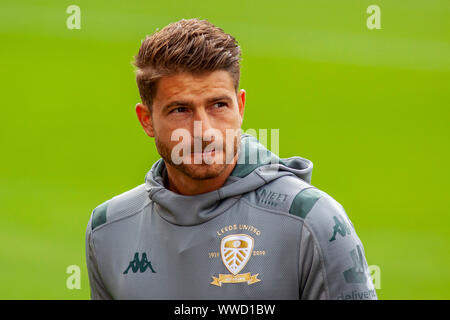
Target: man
212	221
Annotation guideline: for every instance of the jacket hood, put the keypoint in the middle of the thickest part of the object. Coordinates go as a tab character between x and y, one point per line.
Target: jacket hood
256	166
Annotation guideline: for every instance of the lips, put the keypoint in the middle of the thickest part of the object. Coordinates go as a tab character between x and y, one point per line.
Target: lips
207	152
214	150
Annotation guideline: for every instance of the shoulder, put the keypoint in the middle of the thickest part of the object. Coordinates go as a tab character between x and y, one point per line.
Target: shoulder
288	194
119	207
297	198
320	212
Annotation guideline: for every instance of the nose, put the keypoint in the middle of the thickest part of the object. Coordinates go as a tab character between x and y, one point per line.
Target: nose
201	118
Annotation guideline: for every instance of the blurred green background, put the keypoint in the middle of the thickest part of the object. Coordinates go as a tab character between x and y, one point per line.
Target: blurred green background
370	108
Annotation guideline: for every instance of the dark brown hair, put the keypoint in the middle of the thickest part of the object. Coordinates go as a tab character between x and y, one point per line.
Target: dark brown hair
194	46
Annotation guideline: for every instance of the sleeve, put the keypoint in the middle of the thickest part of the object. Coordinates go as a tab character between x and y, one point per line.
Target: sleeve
332	259
98	290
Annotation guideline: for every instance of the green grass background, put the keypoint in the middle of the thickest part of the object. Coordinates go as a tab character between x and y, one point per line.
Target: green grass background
370	108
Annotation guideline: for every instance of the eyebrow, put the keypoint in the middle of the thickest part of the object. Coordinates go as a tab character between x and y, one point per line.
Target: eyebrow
224	97
177	103
184	103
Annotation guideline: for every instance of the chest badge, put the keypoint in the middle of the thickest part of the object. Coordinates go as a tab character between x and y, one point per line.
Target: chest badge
236	250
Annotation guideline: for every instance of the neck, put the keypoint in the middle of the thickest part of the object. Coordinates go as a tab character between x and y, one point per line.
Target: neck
180	183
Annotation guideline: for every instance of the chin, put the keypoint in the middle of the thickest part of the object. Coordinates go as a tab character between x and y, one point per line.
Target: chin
202	171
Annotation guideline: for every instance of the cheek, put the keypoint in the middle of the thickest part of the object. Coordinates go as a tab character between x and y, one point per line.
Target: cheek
172	135
162	129
235	122
232	118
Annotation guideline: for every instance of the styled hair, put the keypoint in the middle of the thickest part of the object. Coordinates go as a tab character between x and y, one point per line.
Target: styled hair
193	46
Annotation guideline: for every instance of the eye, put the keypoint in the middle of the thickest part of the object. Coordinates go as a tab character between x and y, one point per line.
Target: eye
220	104
178	110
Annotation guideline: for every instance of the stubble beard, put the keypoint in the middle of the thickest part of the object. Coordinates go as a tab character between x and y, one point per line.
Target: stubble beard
201	171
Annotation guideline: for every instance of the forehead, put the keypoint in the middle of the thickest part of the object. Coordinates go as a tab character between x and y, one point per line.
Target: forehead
194	85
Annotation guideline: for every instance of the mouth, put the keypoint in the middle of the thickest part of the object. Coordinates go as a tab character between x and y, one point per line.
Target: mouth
203	153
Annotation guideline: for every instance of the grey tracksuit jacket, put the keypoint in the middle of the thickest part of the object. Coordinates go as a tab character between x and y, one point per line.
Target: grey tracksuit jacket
266	234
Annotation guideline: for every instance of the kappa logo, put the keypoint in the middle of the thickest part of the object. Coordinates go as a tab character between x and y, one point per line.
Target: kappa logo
236	250
340	227
139	265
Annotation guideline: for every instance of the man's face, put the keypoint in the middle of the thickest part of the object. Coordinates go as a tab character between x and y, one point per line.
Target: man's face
190	120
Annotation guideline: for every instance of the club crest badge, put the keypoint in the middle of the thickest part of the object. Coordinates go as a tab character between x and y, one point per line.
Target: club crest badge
236	250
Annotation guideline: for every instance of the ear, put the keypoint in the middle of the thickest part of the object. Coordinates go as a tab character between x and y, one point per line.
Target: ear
241	103
145	118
